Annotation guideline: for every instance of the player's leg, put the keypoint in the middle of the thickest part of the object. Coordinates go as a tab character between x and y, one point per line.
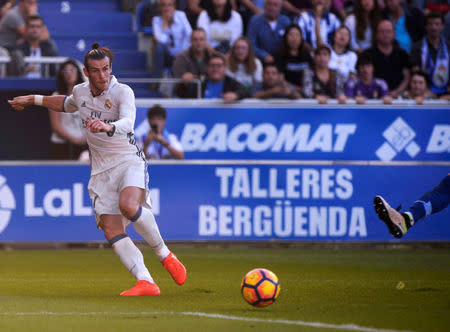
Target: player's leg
431	202
145	224
130	256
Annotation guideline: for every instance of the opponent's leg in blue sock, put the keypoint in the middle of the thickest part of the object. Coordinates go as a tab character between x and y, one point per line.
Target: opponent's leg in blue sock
433	201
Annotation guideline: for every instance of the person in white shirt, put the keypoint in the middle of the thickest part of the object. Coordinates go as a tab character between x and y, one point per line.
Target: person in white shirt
118	186
342	58
223	26
171	34
243	65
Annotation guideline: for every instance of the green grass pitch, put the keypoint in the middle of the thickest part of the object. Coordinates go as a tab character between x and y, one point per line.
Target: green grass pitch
322	289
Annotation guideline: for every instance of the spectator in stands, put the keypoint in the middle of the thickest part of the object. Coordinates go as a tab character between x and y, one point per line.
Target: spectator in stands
190	64
171	32
218	85
408	22
12	24
159	142
391	62
293	8
343	8
418	88
223	26
342	58
365	85
266	30
194	8
294	56
249	8
68	138
243	66
432	54
34	46
321	82
363	24
274	85
5	6
318	24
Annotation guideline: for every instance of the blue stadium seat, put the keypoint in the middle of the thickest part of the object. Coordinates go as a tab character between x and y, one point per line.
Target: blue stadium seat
124	59
116	41
78	5
82	23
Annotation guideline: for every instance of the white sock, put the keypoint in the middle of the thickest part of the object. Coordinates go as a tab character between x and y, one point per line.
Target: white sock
146	226
132	258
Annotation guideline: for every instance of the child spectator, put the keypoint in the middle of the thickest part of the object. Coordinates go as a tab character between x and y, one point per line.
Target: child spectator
365	85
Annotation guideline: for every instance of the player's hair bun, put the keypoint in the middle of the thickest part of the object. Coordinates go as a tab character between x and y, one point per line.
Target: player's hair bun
95	46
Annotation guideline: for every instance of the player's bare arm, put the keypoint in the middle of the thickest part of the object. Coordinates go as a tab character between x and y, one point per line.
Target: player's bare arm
56	102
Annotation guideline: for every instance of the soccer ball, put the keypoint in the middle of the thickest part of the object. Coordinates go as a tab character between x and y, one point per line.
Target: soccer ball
260	287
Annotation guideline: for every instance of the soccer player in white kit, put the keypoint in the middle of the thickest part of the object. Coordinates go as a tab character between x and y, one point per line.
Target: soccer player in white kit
118	186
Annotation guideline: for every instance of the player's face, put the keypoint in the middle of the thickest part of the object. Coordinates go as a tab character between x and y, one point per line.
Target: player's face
99	74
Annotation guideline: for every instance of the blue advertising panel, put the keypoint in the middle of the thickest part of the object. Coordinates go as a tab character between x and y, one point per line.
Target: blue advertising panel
227	201
316	133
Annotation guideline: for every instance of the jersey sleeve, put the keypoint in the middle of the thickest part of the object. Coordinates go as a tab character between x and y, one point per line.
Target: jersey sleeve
70	105
127	112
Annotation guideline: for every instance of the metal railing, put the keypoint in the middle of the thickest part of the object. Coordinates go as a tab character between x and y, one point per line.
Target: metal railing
44	60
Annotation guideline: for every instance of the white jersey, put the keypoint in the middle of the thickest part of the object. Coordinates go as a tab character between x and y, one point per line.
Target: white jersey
115	106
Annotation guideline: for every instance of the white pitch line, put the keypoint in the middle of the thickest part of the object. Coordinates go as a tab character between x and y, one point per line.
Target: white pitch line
347	327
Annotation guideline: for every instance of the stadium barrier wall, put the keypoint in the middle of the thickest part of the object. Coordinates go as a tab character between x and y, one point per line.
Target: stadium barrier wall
259	130
227	200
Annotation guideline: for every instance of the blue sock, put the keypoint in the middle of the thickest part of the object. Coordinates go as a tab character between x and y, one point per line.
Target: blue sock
433	201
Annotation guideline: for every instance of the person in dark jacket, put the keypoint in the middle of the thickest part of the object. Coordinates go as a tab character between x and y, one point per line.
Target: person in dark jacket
34	46
218	85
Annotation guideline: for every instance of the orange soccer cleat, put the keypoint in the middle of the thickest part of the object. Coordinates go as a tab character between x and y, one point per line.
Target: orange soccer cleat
142	287
175	268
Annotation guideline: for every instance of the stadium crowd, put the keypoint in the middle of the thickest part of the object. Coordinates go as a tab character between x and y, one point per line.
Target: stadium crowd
340	49
361	49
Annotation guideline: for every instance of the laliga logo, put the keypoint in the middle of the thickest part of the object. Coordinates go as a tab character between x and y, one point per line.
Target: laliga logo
7	203
399	136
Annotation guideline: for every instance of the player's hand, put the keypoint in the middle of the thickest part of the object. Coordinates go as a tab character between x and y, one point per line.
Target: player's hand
19	103
97	126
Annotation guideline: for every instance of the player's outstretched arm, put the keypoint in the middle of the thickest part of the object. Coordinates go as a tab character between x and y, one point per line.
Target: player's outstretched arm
55	103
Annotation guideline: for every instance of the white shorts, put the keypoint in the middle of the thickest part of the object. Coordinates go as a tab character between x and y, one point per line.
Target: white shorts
104	188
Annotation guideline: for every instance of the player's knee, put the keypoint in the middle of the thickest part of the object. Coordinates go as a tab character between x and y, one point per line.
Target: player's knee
129	210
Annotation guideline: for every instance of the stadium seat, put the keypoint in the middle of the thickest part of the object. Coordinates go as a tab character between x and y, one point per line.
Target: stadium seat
68	6
144	14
